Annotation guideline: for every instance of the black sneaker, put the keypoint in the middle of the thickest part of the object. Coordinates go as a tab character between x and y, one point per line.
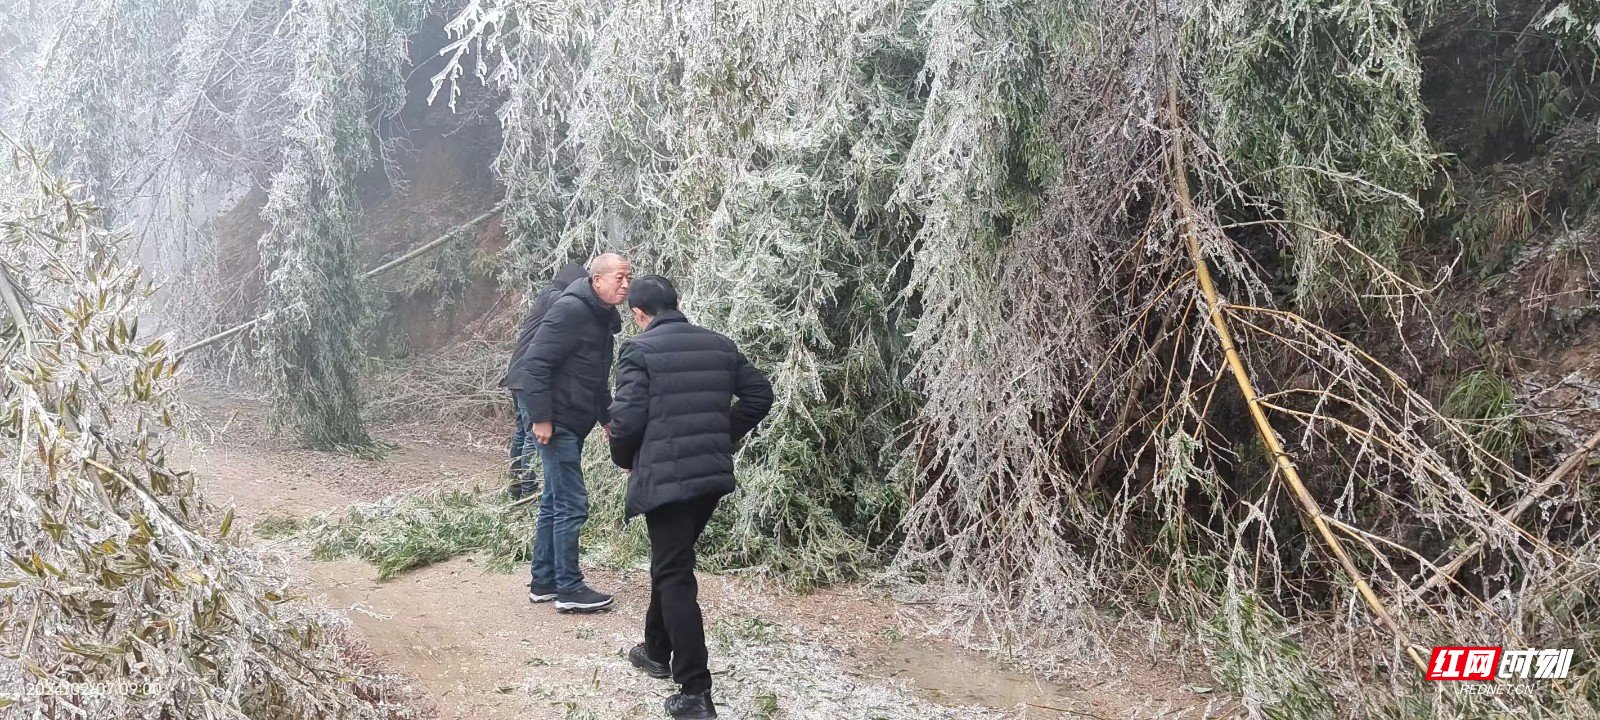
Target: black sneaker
584	599
541	593
692	707
641	660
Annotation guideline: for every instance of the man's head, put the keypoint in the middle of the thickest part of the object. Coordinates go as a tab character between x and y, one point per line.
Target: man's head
610	274
651	295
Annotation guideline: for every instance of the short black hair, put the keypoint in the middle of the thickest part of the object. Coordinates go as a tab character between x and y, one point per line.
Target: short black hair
652	295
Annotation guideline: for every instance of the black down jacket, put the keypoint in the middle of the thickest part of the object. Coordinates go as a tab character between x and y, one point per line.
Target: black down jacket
536	311
564	375
674	422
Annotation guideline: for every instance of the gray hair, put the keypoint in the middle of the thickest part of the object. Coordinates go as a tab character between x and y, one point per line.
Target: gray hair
604	263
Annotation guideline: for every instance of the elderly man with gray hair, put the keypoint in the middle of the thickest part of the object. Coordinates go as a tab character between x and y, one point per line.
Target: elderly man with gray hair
564	377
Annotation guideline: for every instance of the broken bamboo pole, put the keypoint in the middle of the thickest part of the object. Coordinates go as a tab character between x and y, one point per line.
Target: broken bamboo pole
415	253
1448	572
1219	322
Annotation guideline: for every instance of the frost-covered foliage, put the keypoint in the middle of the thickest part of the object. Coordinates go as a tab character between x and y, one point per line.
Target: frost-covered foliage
1316	107
347	67
84	94
174	109
187	114
125	595
158	103
544	58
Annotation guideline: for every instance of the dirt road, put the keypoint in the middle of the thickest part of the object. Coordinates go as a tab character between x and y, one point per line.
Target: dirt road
476	648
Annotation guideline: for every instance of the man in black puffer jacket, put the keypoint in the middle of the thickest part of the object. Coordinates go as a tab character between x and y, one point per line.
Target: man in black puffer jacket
565	377
524	481
674	424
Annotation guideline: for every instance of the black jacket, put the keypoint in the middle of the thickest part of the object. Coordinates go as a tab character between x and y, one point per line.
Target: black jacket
565	373
674	422
536	311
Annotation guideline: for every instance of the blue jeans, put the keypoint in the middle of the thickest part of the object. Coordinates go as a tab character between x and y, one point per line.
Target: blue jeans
563	508
524	480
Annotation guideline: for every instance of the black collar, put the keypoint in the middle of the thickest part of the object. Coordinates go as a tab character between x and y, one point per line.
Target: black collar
669	316
584	290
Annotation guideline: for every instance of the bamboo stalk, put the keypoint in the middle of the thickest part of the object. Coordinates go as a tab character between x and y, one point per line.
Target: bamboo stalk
1219	323
8	292
19	317
437	242
219	337
415	253
1447	573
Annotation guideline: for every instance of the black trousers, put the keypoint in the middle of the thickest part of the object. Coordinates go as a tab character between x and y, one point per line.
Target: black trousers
673	627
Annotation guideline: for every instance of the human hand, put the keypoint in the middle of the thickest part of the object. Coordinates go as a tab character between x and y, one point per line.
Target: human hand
542	431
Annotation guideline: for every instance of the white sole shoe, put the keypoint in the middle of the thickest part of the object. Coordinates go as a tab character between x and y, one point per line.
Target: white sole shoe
538	598
583	607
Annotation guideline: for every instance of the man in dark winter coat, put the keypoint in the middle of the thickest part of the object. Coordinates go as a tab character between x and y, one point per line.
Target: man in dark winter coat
524	481
564	377
674	424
